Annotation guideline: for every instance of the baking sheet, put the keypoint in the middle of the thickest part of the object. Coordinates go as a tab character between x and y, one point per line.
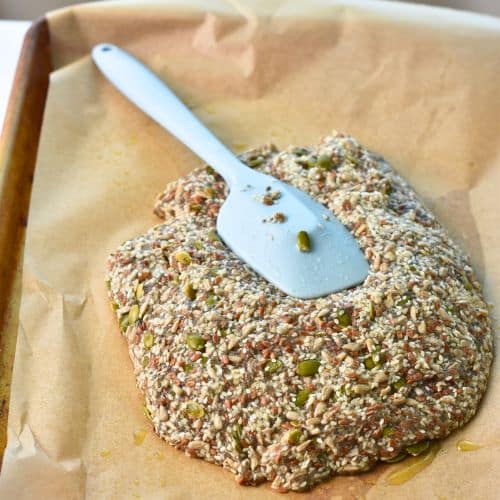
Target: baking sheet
419	86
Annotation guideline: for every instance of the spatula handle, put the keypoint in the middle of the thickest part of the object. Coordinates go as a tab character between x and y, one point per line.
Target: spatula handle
141	86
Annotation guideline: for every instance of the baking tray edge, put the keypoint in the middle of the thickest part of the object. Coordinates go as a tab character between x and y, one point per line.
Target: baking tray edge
18	151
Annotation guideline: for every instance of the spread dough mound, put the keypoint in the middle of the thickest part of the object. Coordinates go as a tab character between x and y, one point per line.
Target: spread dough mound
293	391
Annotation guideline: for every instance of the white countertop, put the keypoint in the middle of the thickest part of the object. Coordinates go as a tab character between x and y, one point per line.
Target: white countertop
11	39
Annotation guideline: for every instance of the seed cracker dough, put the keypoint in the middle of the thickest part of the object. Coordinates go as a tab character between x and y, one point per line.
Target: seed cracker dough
275	388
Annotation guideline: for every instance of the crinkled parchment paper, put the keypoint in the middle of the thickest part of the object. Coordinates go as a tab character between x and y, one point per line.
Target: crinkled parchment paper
420	86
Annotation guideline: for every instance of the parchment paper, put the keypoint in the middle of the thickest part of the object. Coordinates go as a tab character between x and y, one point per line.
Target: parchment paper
418	85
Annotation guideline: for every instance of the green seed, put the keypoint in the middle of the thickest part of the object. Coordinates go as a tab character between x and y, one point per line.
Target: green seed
194	207
369	363
387	188
139	292
399	384
272	366
325	162
237	445
195	342
300	151
189	291
345	319
346	391
308	367
236	435
124	322
379	357
188	367
108	284
114	305
147	412
303	241
387	432
372	311
198	245
210	170
148	340
376	359
307	163
204	360
255	162
467	283
397	458
194	409
351	159
302	397
294	436
212	235
418	448
211	300
209	192
145	361
183	258
133	314
403	300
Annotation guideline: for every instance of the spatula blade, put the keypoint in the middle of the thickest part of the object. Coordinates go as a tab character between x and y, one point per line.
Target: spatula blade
334	262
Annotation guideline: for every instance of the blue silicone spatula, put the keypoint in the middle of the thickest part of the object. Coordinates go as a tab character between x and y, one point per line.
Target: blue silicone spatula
322	259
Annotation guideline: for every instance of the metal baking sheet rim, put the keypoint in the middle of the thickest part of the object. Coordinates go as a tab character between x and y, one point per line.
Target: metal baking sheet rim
18	152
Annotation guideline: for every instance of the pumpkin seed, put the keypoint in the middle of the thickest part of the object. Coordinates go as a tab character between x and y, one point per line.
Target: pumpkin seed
300	151
236	435
303	241
294	436
146	412
148	340
211	300
302	397
308	367
189	291
397	458
124	322
418	448
183	258
209	192
399	384
194	410
195	207
325	162
344	319
212	235
387	432
272	366
195	342
133	314
255	162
